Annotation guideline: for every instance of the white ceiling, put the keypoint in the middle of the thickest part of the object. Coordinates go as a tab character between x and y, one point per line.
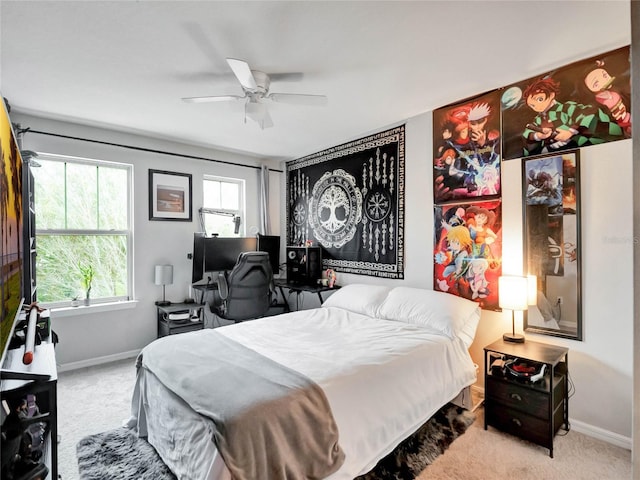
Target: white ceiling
126	64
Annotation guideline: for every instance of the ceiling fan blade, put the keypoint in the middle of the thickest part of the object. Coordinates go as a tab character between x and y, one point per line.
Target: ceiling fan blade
215	98
243	73
287	77
299	99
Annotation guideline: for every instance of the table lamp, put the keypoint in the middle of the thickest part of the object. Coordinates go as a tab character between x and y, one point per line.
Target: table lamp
513	292
164	276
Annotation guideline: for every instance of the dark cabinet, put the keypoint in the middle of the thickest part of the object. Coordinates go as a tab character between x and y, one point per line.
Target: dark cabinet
533	411
179	318
36	400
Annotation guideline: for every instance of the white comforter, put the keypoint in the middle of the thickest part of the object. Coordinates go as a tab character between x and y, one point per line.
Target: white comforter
383	379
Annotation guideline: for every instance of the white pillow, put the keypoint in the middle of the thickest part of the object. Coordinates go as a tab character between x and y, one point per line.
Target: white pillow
359	298
440	312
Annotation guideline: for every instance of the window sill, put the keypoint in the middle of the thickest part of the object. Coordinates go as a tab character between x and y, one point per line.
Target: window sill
62	312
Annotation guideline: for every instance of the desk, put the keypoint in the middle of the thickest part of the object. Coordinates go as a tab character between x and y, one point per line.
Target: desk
203	289
299	289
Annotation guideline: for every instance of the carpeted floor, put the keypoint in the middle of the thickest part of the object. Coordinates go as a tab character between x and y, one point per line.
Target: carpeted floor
97	399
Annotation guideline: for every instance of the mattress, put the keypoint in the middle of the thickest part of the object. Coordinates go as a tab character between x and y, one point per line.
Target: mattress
382	378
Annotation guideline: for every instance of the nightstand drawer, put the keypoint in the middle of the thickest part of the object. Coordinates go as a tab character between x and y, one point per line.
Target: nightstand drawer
164	329
520	397
518	423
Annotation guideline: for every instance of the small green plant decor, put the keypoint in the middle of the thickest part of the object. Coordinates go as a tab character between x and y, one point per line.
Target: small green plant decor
88	274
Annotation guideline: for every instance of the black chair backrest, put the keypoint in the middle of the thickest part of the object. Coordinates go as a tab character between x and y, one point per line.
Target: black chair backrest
248	287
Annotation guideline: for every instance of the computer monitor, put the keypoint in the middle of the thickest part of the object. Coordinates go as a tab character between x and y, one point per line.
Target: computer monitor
271	245
221	253
197	269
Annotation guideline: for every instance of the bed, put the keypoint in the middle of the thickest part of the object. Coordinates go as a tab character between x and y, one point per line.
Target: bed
386	359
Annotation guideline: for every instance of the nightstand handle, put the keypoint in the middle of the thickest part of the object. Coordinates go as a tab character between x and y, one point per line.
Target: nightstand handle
516	422
517	397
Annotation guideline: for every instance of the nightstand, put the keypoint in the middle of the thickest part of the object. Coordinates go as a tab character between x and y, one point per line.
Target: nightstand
179	318
533	411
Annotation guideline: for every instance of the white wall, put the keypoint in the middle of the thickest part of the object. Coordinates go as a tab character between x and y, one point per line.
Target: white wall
91	333
601	365
635	109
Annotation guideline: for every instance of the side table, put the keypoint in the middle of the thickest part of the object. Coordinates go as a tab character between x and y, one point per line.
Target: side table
179	318
534	411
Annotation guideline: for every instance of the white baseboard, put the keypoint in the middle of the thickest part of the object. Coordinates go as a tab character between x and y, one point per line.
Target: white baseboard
587	429
601	434
92	362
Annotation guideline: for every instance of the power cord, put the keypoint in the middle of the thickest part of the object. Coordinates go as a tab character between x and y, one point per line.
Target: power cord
571	390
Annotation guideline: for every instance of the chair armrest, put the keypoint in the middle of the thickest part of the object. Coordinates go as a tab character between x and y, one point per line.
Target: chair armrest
223	287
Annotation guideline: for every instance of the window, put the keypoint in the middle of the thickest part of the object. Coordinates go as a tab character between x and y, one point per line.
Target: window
83	224
224	198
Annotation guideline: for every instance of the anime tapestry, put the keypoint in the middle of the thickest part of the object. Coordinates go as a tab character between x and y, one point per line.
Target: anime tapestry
466	156
468	251
585	103
350	200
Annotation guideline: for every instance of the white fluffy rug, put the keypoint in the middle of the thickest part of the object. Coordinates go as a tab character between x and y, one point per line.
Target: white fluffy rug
119	455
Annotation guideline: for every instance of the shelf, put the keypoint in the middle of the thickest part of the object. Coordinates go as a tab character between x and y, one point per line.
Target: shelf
541	386
13	391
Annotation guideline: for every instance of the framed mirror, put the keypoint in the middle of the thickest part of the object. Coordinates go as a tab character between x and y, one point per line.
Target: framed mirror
551	223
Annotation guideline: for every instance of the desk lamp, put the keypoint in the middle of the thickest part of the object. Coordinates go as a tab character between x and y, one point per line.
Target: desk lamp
513	295
164	276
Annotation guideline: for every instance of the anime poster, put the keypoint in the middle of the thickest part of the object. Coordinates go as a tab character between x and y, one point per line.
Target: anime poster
585	103
466	143
468	251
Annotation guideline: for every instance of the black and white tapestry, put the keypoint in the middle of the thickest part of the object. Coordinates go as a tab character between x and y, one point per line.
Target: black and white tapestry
349	199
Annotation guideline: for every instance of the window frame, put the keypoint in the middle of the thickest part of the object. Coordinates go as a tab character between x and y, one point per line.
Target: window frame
128	233
241	211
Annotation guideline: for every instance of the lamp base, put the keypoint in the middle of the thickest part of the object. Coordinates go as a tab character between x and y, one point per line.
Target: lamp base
513	337
163	303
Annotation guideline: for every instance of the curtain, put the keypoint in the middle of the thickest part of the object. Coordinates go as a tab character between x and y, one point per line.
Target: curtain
264	200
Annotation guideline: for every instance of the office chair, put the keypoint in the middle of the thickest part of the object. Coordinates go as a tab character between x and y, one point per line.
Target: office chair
245	292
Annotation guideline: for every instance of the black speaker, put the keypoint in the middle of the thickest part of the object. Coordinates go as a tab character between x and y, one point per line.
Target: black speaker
304	265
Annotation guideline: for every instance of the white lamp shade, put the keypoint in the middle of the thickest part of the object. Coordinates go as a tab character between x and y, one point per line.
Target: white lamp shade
164	274
532	287
513	292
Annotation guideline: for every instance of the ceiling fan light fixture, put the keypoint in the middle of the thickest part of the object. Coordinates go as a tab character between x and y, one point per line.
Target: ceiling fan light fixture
257	111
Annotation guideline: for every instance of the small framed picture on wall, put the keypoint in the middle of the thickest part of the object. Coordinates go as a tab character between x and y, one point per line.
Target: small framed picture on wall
170	196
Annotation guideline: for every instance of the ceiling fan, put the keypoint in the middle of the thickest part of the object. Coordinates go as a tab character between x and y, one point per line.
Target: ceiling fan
256	90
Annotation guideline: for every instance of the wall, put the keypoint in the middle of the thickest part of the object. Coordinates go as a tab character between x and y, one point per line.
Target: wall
601	365
93	334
